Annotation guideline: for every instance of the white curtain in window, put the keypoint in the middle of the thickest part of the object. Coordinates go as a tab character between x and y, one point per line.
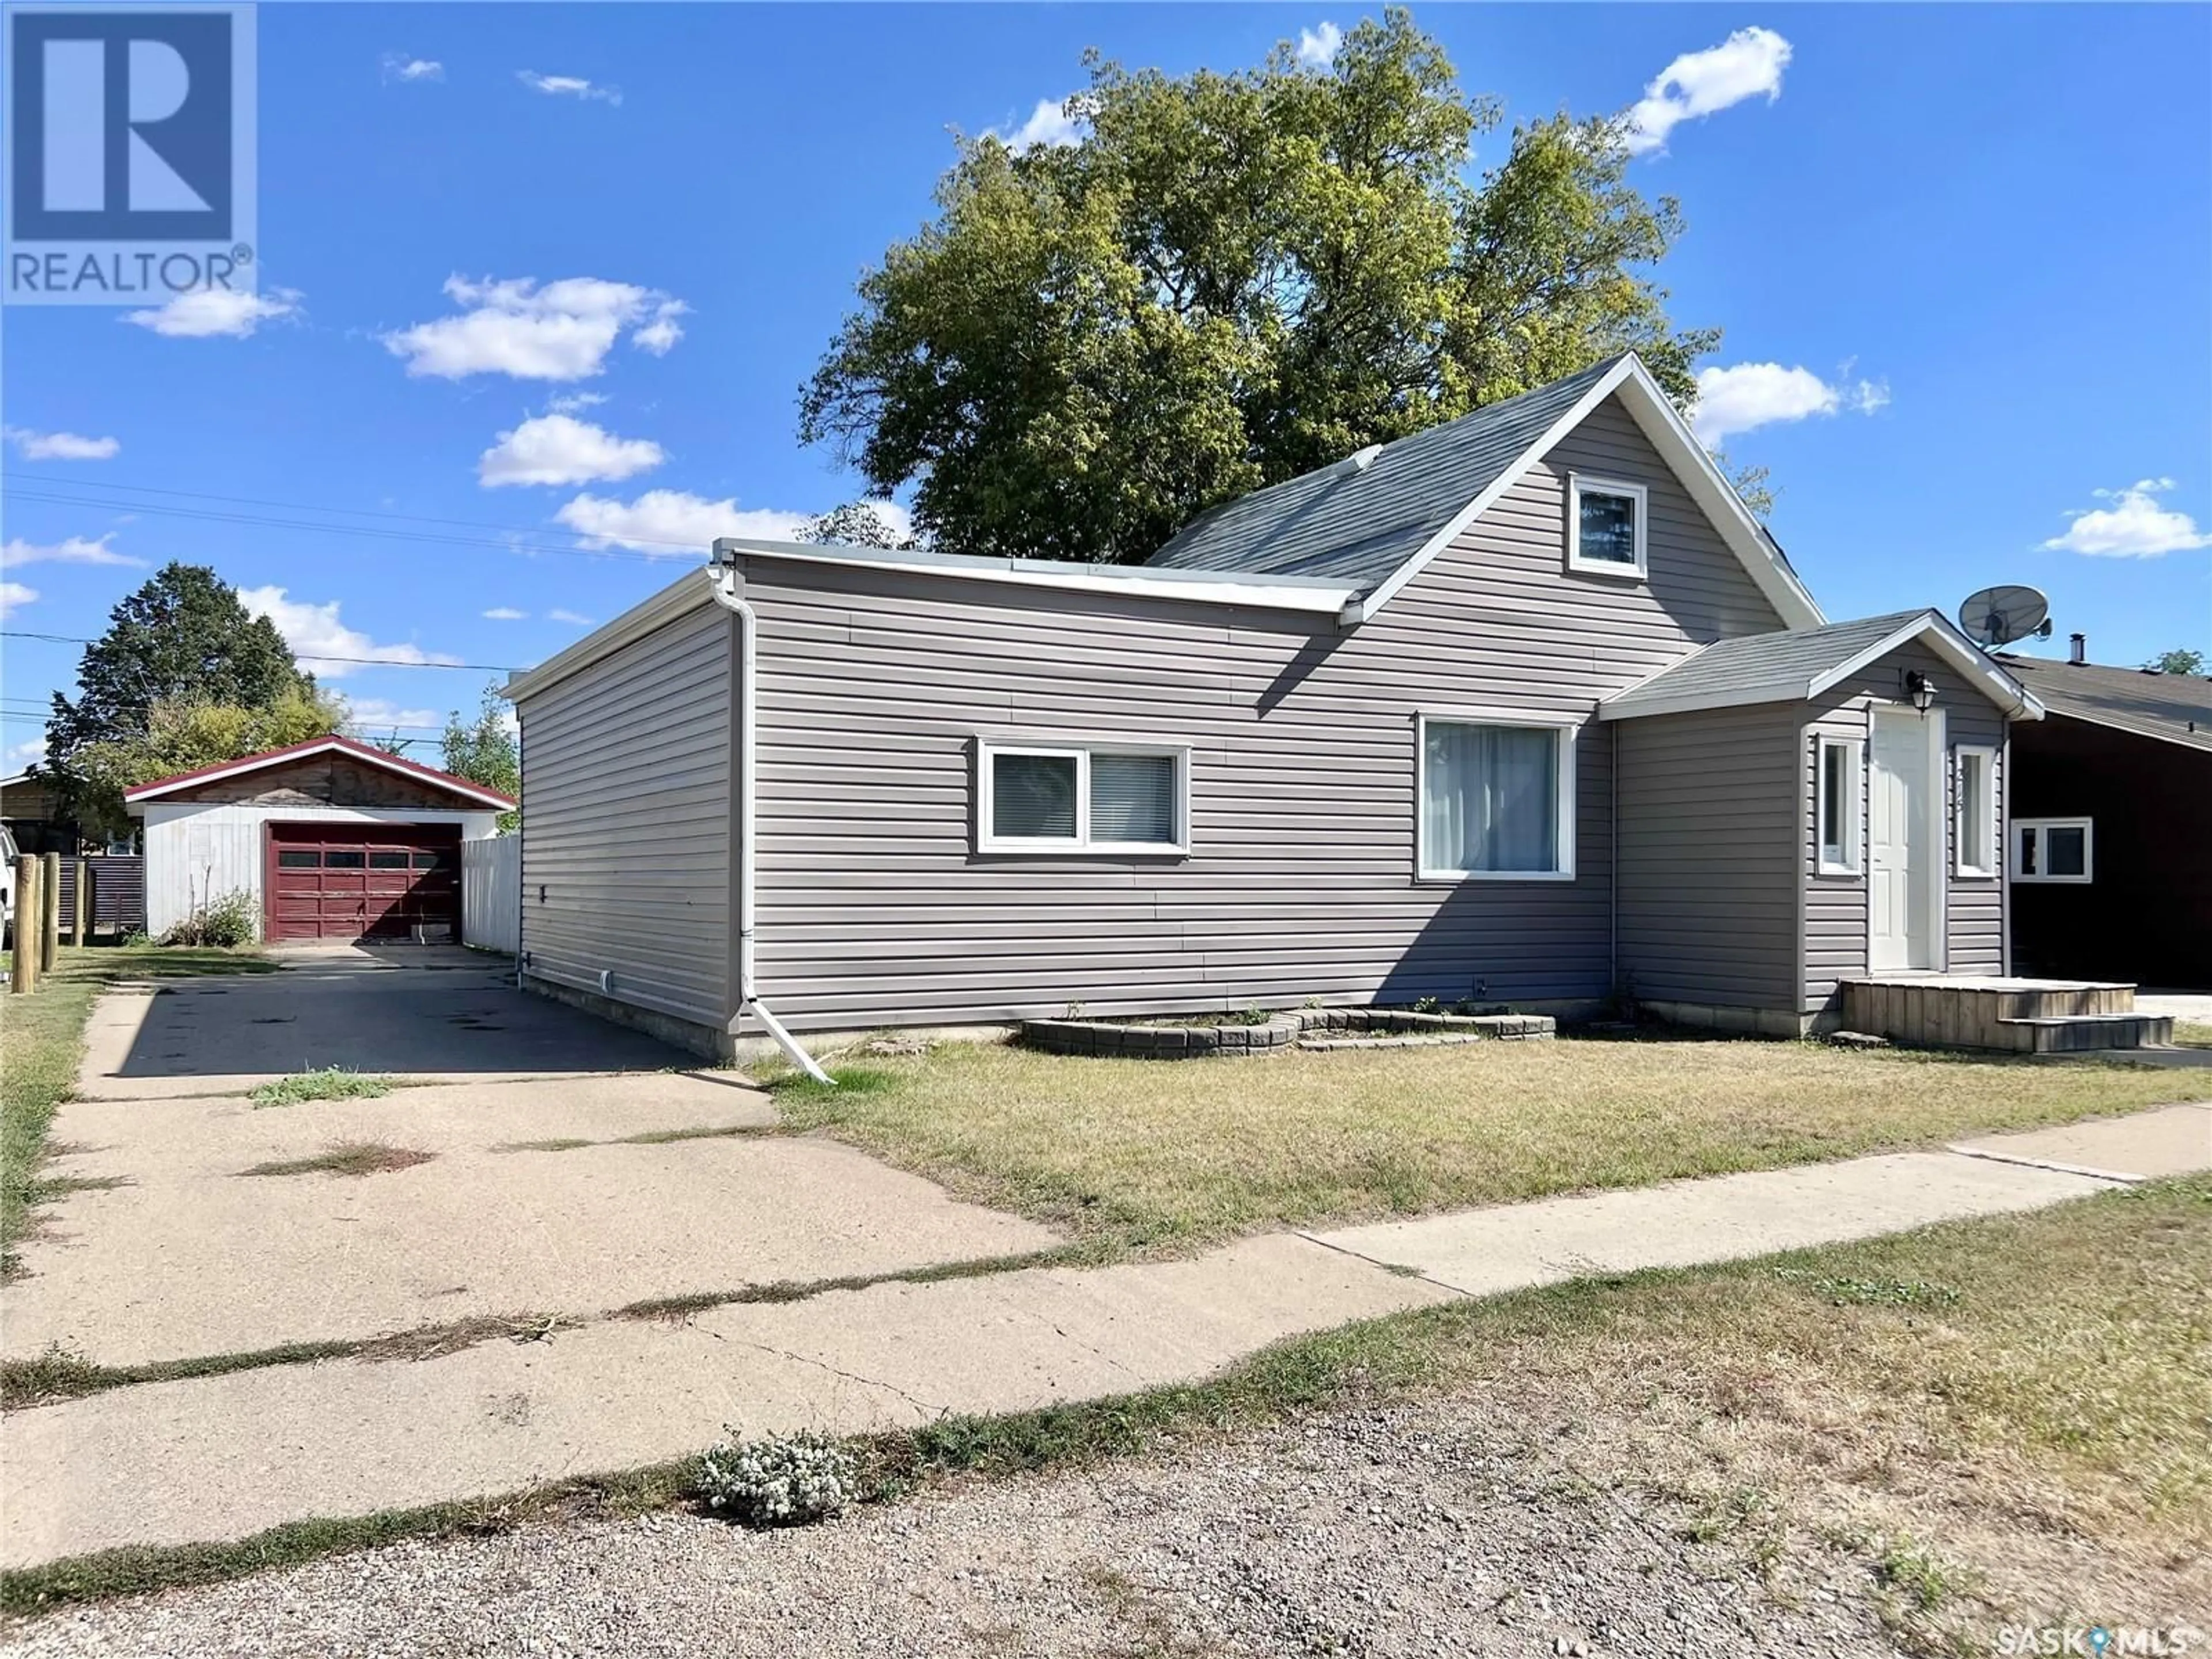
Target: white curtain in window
1490	798
1132	798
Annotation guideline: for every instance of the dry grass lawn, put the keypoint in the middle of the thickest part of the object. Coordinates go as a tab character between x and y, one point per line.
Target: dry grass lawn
2001	1421
1155	1152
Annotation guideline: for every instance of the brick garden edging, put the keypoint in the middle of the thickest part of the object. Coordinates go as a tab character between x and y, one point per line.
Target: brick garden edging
1332	1028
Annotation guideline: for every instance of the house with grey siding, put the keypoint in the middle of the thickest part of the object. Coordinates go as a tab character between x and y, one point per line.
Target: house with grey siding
1527	708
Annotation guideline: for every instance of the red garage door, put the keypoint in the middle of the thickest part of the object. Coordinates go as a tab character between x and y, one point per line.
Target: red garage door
347	881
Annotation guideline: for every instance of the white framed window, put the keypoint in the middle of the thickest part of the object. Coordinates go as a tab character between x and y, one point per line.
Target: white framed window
1082	797
1496	798
1975	850
1839	778
2053	850
1606	522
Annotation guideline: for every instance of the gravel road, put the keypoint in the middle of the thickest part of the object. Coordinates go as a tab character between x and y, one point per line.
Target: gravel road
1409	1529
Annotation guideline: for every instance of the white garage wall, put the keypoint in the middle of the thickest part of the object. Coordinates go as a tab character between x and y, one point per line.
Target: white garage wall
196	851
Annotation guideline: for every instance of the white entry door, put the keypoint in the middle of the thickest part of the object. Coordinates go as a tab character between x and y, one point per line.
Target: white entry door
1901	850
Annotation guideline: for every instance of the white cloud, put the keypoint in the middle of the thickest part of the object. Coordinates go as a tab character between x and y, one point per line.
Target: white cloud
559	449
381	714
313	630
571	618
672	524
398	66
61	446
568	403
2135	527
1747	65
74	550
207	312
1745	396
1318	47
14	596
663	331
505	613
1052	123
31	749
569	86
561	331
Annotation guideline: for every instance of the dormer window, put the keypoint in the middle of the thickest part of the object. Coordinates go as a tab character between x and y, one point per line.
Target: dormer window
1605	526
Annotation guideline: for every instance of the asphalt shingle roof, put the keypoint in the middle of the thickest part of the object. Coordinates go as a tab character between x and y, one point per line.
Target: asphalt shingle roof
1359	525
2176	707
1786	661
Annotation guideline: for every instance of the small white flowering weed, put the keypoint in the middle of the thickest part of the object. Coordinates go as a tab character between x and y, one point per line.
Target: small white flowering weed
777	1480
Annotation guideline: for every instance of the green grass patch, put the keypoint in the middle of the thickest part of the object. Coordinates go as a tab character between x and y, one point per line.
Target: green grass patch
2189	1035
1156	1152
331	1082
41	1043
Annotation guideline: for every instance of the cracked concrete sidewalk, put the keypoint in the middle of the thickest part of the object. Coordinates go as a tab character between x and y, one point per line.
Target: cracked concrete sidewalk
221	1457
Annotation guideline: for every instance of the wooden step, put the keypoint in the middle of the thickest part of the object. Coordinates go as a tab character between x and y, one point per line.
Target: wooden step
2079	1033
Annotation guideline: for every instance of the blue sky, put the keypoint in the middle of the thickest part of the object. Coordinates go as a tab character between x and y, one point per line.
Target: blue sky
1963	256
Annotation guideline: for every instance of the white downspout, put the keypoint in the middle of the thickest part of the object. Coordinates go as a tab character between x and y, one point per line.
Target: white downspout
729	592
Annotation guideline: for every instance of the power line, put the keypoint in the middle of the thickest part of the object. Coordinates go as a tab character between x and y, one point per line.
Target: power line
304	656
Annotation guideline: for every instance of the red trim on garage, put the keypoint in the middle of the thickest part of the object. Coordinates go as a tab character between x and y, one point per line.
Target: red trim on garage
368	753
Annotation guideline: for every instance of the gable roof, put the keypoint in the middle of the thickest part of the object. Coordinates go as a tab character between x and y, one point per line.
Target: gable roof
367	754
1799	663
2172	707
1379	525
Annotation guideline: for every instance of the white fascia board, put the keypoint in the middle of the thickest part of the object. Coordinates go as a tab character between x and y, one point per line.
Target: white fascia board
1955	648
681	597
1662	424
1307	593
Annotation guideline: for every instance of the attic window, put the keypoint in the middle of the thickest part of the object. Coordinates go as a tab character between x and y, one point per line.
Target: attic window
1605	526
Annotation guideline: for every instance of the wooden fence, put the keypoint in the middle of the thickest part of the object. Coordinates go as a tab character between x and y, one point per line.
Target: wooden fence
119	893
491	894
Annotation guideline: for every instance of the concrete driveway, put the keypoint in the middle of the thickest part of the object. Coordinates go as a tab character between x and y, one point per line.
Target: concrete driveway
562	1166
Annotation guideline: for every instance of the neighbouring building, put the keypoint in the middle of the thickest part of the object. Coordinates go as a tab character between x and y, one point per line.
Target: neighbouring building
2110	848
1527	707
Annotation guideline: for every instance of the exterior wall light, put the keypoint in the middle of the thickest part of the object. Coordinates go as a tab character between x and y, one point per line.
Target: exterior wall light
1920	689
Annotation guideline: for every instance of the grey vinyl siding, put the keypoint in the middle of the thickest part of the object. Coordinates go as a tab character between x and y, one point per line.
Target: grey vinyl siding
1708	896
874	686
1973	907
627	824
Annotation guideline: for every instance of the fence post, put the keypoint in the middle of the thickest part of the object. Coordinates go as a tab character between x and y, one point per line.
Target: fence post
49	913
83	916
23	966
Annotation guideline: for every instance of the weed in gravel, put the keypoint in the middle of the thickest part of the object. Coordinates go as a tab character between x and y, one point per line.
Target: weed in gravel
331	1082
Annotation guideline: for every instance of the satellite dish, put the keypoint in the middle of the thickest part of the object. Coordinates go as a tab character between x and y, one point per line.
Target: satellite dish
1998	616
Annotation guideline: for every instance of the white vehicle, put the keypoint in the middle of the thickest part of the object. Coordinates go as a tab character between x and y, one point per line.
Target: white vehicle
7	882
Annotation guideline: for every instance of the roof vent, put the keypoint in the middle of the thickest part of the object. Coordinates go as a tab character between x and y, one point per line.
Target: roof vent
1360	460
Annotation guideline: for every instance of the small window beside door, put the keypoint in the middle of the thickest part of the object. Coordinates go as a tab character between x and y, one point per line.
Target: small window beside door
1840	770
2053	850
1976	844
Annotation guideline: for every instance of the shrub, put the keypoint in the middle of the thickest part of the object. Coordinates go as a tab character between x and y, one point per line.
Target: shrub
231	920
778	1480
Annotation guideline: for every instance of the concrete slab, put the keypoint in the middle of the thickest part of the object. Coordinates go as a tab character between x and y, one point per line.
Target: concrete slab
180	1462
217	1263
2145	1146
449	1015
2194	1006
1722	1218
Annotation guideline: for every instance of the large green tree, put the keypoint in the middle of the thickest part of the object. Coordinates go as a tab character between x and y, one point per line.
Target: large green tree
1230	280
485	751
182	641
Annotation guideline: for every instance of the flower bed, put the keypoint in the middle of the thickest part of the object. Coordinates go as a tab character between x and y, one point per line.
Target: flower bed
1316	1028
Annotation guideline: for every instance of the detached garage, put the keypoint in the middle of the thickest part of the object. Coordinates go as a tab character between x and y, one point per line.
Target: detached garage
332	840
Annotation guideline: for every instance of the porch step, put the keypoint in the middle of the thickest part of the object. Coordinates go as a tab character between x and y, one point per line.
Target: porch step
2018	1016
2078	1033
